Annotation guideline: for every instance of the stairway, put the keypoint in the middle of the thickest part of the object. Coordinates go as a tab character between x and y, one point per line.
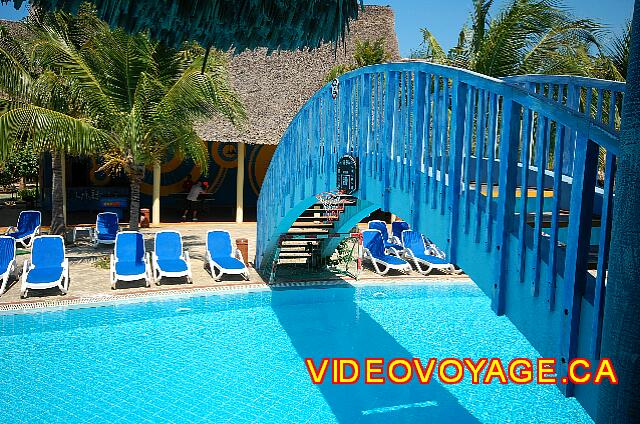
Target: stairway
302	244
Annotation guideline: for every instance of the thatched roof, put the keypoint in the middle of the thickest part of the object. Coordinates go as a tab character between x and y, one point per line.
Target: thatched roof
274	87
242	24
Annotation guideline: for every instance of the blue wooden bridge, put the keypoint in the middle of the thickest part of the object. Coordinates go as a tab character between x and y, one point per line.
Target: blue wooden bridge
512	177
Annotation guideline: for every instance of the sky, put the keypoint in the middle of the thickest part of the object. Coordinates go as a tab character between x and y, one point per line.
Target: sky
444	18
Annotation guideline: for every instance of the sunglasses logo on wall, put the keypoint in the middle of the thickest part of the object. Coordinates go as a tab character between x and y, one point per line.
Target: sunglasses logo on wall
335	87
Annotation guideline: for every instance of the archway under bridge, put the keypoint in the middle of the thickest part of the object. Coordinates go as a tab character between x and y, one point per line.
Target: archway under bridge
513	178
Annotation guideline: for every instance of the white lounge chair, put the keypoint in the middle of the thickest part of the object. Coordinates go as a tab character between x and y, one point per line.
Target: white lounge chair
107	227
129	262
397	227
222	258
7	260
416	250
27	228
375	251
389	245
48	266
169	260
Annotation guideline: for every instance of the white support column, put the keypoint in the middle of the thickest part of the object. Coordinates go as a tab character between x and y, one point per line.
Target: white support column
63	168
155	207
240	184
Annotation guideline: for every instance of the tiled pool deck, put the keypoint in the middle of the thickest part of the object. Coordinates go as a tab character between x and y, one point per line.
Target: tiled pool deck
90	284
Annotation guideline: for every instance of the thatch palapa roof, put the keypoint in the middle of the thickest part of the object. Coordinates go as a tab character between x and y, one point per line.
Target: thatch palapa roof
241	24
274	87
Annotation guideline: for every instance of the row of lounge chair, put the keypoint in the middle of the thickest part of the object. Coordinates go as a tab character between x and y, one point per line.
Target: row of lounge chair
403	247
48	265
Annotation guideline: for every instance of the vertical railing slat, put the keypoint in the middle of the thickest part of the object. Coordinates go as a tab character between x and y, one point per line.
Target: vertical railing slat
435	143
482	99
458	109
541	158
579	232
468	135
417	147
427	139
507	179
603	254
491	151
527	136
444	136
390	103
555	212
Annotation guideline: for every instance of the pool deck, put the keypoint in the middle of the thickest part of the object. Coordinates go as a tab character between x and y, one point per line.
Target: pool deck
89	283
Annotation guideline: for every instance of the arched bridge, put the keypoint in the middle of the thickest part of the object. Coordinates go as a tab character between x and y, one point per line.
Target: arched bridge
513	178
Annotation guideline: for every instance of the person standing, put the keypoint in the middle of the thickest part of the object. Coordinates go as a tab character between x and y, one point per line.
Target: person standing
192	200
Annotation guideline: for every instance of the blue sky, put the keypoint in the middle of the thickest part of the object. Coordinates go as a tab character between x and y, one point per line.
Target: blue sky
444	18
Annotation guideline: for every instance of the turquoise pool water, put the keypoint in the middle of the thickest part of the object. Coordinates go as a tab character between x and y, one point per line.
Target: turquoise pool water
238	358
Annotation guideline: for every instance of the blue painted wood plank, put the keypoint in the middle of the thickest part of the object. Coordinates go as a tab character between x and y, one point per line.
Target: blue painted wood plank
418	147
390	103
459	109
541	165
364	125
480	135
444	138
400	133
492	136
507	179
599	106
579	231
525	154
603	254
435	150
468	136
552	271
612	110
427	155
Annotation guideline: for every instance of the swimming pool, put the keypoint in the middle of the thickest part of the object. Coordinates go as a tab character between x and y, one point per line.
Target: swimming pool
238	357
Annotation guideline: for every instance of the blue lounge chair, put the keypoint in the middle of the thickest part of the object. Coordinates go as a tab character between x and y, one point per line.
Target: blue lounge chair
397	227
107	227
129	262
27	228
389	246
375	251
7	260
420	253
169	260
221	257
48	266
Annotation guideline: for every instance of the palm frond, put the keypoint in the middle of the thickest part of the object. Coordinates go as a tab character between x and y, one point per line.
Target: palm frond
49	130
618	52
431	48
479	19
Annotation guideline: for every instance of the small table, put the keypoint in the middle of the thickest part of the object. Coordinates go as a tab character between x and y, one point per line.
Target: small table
76	230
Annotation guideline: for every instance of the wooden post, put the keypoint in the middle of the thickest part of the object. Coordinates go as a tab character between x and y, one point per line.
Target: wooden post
63	167
155	207
240	184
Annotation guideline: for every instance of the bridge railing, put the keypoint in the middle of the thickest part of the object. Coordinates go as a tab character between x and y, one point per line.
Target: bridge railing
480	152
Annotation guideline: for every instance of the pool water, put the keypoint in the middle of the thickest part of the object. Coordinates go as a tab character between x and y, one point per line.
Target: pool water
238	357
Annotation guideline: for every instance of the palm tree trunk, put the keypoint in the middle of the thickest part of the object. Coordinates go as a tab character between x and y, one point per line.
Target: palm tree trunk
58	226
135	179
621	328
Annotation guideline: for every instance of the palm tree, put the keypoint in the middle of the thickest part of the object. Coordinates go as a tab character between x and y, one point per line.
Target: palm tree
621	327
149	96
526	36
143	96
36	109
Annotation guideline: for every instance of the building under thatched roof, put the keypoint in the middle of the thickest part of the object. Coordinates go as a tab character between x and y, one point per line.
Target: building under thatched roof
274	87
